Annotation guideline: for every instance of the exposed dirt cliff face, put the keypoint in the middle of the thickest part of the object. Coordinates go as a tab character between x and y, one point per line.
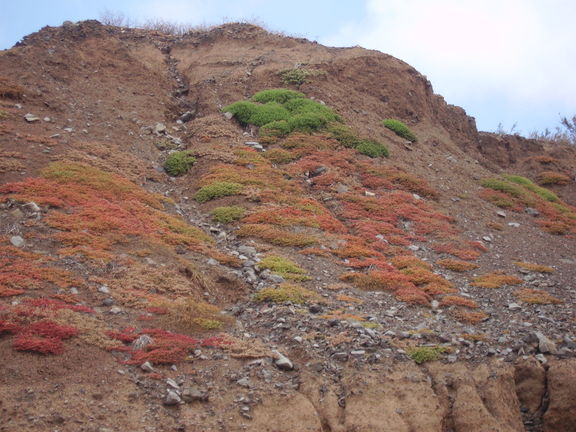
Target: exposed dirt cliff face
108	262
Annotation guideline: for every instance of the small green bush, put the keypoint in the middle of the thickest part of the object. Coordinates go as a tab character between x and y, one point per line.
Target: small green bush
286	293
344	135
242	110
425	354
268	113
297	76
503	186
217	190
528	184
277	128
276	95
373	149
227	214
283	267
399	129
308	122
305	106
178	163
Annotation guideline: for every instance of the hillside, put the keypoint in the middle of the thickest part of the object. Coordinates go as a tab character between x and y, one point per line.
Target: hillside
317	273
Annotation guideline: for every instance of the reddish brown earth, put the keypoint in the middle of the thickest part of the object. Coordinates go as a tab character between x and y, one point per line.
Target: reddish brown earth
103	90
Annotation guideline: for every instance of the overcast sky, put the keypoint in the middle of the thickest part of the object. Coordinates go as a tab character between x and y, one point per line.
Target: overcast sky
503	61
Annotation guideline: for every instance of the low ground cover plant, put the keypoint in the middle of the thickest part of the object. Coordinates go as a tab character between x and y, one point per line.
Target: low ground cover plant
400	129
178	163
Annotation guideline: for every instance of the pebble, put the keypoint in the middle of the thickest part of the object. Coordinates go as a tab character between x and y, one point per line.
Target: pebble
17	241
147	367
115	310
31	118
514	306
244	382
501	214
340	356
487	239
172	399
228	115
514	224
194	394
532	211
160	128
104	289
282	362
247	250
357	353
142	341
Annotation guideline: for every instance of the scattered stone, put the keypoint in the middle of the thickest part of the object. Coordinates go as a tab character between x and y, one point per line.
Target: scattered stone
435	304
142	342
115	310
282	362
194	394
315	309
108	301
244	382
541	358
340	356
172	399
17	241
341	188
514	306
514	224
369	194
228	115
275	278
187	116
532	211
172	384
545	345
47	119
32	206
212	262
104	289
68	129
147	367
414	248
160	128
31	118
357	353
247	250
487	239
501	213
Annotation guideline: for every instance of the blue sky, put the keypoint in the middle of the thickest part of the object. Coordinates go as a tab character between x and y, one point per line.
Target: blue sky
503	61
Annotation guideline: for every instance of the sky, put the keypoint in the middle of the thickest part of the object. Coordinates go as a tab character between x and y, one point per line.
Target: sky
508	63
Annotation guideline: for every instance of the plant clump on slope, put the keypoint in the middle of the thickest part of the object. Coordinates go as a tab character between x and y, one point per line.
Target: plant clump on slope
399	129
518	193
178	163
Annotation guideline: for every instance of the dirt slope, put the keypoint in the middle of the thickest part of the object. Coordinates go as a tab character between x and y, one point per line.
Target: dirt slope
108	262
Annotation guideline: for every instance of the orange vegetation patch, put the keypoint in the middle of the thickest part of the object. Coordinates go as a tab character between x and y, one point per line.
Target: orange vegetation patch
10	90
471	317
410	261
466	251
535	296
94	210
276	236
552	178
458	301
457	265
21	271
393	281
348	299
534	267
316	251
495	280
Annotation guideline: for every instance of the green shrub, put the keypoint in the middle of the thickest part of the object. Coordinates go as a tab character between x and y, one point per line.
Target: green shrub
178	163
399	129
309	122
528	184
217	190
277	128
227	214
344	135
297	76
503	186
283	267
286	293
242	110
425	354
268	113
305	106
373	149
276	95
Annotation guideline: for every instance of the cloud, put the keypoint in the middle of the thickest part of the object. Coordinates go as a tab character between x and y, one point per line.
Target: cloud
512	51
